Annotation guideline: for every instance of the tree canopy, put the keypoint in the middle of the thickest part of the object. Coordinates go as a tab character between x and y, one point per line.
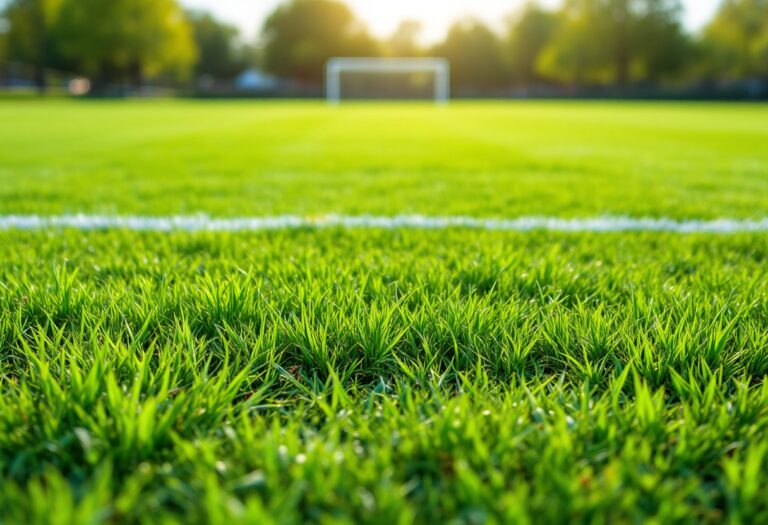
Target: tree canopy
30	36
301	35
404	42
736	41
622	41
134	38
529	32
474	52
220	55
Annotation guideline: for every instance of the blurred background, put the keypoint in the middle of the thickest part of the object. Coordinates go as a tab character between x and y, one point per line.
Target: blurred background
706	49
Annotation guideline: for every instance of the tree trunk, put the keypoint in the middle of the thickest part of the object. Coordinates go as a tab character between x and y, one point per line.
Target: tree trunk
137	76
621	56
100	81
41	79
622	65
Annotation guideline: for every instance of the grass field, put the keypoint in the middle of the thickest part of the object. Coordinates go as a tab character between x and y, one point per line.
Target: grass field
484	159
383	376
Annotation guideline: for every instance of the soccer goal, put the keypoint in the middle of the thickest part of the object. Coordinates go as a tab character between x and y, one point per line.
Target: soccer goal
438	68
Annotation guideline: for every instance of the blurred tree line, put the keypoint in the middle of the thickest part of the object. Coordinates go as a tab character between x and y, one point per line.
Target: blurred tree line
621	43
116	42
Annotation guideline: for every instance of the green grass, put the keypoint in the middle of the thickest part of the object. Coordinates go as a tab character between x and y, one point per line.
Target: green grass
403	376
483	159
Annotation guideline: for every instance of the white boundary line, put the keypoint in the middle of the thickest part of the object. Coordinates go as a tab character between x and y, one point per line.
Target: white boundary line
198	223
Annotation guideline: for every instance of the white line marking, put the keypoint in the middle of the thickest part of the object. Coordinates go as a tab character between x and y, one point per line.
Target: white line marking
196	223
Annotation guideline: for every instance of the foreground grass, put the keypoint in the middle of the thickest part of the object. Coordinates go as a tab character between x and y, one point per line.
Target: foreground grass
385	377
501	159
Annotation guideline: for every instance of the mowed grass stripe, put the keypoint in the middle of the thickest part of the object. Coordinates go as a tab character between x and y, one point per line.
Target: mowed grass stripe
481	159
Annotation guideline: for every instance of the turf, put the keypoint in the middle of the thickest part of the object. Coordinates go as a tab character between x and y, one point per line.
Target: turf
564	159
399	376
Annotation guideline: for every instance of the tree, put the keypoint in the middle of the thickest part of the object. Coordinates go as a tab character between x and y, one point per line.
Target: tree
5	26
660	43
219	53
570	56
530	30
301	35
474	52
30	39
736	40
622	40
404	42
126	39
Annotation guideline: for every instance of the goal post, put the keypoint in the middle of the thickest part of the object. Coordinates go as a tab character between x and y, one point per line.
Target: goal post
438	67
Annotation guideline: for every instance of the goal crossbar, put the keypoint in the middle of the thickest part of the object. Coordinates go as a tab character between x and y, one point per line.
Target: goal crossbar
439	67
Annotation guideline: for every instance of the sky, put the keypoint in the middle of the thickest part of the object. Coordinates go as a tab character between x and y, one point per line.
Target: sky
383	16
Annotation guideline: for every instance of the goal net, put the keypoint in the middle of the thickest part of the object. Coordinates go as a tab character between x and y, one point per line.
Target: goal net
365	78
